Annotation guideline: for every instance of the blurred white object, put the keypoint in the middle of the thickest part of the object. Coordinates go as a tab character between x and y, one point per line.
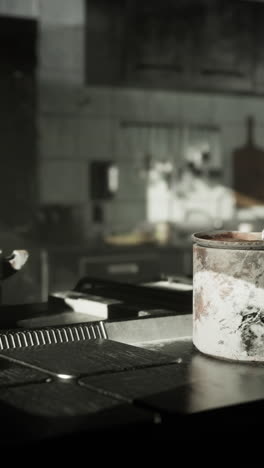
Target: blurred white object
158	199
170	285
18	259
86	303
245	227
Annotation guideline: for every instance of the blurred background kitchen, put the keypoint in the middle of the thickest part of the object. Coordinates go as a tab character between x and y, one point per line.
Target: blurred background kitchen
125	126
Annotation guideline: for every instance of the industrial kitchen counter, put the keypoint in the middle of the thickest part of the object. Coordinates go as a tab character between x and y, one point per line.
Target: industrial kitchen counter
116	379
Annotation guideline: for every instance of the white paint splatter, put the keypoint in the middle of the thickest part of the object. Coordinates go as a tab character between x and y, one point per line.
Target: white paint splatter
225	298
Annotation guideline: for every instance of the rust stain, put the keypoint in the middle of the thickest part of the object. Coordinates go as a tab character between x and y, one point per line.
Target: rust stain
199	306
225	291
233	236
223	236
201	255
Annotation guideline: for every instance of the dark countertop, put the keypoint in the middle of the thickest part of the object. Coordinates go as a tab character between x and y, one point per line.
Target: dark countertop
100	247
140	378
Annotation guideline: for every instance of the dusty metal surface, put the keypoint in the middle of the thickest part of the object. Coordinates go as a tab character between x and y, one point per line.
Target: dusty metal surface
229	240
202	383
228	299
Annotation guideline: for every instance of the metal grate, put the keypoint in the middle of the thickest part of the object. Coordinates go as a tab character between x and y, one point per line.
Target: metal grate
45	336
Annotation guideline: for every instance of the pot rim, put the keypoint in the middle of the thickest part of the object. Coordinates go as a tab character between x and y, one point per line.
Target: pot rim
234	240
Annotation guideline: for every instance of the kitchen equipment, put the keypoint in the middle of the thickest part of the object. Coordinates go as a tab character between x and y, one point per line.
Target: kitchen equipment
248	170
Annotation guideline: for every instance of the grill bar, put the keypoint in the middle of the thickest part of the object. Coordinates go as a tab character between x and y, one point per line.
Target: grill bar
45	336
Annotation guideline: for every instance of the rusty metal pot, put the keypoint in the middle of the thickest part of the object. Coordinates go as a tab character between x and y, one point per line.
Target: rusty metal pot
228	294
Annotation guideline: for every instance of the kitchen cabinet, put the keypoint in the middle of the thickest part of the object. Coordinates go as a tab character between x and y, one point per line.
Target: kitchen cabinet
125	266
131	264
195	45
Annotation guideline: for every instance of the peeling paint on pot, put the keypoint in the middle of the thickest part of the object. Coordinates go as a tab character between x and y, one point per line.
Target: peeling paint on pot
228	295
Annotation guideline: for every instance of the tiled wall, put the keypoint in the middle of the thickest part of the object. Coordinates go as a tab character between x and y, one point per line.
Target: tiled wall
76	131
78	124
28	8
83	124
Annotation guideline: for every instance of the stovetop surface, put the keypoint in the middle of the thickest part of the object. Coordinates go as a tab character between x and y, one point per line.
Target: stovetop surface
84	374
